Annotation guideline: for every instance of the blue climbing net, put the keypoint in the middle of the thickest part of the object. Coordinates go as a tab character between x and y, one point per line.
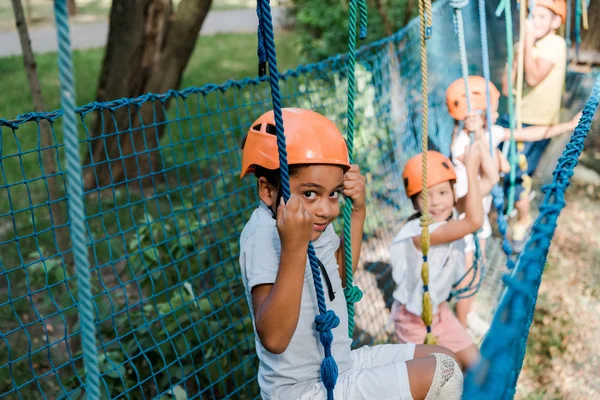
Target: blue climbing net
148	302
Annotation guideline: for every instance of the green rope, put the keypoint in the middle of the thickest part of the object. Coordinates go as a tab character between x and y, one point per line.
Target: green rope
353	293
512	158
75	202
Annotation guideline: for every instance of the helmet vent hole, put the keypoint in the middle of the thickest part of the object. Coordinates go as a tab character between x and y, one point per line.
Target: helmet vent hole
256	127
271	129
445	164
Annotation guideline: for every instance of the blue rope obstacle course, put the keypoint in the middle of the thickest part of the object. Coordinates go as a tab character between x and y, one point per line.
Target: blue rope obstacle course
156	294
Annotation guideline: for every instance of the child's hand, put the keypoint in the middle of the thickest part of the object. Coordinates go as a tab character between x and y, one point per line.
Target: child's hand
575	120
354	188
473	155
294	224
530	32
473	122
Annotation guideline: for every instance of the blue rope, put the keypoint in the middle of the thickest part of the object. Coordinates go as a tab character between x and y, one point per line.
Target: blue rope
505	7
497	192
260	52
578	12
568	27
507	337
485	61
457	5
75	201
362	7
326	320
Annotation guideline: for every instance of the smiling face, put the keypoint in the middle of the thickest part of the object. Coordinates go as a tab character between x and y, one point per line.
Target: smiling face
544	21
319	187
441	201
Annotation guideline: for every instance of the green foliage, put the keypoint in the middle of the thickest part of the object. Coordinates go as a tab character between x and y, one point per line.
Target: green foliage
323	24
183	329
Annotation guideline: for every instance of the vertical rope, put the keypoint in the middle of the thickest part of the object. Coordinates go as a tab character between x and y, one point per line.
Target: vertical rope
497	192
260	51
427	314
75	201
505	7
326	320
577	27
485	62
522	160
568	27
520	62
353	294
362	6
464	65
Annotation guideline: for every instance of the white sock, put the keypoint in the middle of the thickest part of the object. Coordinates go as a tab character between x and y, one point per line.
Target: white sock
447	383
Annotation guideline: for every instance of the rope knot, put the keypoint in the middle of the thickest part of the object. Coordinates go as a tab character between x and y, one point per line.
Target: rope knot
327	321
426	220
353	294
329	373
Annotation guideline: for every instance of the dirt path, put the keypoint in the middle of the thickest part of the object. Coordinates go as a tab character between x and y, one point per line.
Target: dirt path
563	360
91	35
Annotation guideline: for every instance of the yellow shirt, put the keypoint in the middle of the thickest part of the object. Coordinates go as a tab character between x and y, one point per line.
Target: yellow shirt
541	103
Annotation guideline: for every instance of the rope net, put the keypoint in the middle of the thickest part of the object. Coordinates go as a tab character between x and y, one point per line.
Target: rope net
162	221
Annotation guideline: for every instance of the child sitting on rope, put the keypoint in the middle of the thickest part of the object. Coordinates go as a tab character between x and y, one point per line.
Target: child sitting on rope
544	66
278	278
476	123
446	254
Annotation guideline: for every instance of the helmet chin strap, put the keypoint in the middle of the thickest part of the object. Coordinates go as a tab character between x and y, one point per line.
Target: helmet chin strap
277	201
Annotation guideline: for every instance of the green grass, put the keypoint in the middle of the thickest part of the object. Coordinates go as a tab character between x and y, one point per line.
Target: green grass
216	59
233	56
42	11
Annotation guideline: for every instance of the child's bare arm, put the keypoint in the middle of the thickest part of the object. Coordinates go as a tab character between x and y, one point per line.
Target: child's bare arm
535	69
505	77
354	188
277	306
535	133
503	164
489	170
471	204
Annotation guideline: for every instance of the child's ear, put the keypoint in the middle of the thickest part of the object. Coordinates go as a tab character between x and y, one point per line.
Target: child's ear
556	22
266	192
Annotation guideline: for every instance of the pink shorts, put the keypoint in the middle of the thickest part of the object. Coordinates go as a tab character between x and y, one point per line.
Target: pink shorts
447	329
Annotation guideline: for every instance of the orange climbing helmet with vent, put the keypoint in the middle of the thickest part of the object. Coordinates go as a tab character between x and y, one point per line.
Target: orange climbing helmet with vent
456	100
558	7
439	169
311	138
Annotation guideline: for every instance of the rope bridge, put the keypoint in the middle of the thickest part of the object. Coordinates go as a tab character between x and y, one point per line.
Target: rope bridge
148	302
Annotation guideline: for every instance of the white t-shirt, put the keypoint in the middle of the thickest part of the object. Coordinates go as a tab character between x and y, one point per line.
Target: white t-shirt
297	369
446	267
459	145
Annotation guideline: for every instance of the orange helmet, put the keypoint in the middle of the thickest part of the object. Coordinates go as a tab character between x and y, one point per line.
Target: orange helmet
310	138
439	169
558	7
457	101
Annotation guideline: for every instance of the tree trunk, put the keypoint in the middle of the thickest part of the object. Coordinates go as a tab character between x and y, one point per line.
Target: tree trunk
149	46
590	39
72	7
28	8
49	155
